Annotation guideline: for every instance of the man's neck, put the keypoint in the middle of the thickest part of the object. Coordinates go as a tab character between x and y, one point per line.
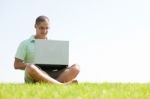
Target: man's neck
36	37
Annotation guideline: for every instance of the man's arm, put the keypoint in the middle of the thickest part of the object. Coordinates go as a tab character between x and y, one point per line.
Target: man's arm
19	64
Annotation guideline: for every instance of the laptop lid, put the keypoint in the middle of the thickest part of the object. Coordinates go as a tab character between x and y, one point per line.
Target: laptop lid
51	52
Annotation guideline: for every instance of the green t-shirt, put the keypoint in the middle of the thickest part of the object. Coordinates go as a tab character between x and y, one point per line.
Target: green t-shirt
25	50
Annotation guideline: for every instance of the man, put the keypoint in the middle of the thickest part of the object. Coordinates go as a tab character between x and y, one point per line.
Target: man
33	73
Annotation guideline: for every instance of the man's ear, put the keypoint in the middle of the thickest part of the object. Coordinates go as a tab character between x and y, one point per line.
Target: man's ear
35	26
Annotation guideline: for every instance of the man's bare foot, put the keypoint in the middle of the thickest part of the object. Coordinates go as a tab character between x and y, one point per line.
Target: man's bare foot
75	81
71	82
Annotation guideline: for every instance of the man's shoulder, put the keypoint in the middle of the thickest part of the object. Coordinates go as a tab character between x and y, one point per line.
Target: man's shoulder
28	40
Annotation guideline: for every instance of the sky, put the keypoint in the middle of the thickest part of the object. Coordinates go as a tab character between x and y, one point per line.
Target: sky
109	39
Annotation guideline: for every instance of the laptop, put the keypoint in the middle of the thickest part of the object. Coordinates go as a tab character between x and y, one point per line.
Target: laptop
51	54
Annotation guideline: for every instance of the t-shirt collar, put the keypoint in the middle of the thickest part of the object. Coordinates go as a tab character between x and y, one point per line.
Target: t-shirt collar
32	38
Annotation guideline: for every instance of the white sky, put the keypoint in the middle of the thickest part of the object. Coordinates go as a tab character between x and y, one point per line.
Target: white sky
108	38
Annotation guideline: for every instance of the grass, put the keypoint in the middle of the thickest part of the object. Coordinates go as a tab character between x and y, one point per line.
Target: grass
80	91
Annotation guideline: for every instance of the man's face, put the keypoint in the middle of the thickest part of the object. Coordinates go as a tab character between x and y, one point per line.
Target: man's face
42	29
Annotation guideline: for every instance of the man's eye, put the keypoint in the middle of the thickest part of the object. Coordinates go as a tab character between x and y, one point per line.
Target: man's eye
42	28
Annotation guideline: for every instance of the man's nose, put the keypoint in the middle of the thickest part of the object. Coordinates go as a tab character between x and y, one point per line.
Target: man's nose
45	30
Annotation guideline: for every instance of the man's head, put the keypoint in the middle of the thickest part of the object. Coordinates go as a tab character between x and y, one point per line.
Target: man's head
41	26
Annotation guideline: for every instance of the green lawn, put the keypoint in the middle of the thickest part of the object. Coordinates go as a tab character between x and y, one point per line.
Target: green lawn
80	91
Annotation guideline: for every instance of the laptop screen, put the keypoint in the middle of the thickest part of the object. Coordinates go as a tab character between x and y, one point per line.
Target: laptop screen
51	52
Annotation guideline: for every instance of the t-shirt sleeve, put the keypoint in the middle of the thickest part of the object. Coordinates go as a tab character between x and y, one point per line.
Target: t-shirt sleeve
21	51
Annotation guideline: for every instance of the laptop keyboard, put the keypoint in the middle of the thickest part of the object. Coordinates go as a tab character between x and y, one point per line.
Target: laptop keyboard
51	67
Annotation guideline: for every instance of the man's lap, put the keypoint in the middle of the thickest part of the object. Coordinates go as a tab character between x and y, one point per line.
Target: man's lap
52	73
